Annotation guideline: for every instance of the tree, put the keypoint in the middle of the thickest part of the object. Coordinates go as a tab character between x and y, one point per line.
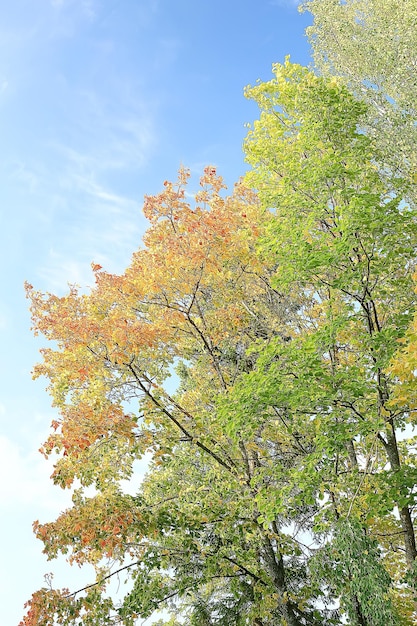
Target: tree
342	234
373	45
195	298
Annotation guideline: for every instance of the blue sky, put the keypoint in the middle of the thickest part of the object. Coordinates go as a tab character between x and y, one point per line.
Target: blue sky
100	102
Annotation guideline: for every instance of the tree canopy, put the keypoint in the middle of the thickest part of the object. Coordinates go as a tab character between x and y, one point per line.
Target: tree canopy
281	480
372	44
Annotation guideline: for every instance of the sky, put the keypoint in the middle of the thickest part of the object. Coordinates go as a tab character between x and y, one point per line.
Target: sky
100	102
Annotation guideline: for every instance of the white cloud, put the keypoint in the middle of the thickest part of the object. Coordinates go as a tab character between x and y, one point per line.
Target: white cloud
285	3
25	481
24	175
103	139
26	486
61	271
86	8
106	228
92	221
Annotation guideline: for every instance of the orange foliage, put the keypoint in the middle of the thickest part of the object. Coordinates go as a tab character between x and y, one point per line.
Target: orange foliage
187	292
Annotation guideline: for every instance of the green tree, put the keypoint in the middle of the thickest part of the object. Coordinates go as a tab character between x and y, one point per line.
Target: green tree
341	234
373	45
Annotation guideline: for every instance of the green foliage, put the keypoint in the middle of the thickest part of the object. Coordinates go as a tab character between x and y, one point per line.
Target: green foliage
350	564
372	44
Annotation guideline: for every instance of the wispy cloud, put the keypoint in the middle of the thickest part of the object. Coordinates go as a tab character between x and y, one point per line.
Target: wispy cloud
102	134
98	226
4	322
106	228
103	150
108	142
27	480
24	175
84	8
60	271
285	3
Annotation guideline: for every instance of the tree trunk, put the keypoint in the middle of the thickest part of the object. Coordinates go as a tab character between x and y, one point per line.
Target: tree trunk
391	448
276	570
360	618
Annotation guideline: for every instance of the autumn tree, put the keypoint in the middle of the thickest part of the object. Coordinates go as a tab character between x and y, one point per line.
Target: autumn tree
196	297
